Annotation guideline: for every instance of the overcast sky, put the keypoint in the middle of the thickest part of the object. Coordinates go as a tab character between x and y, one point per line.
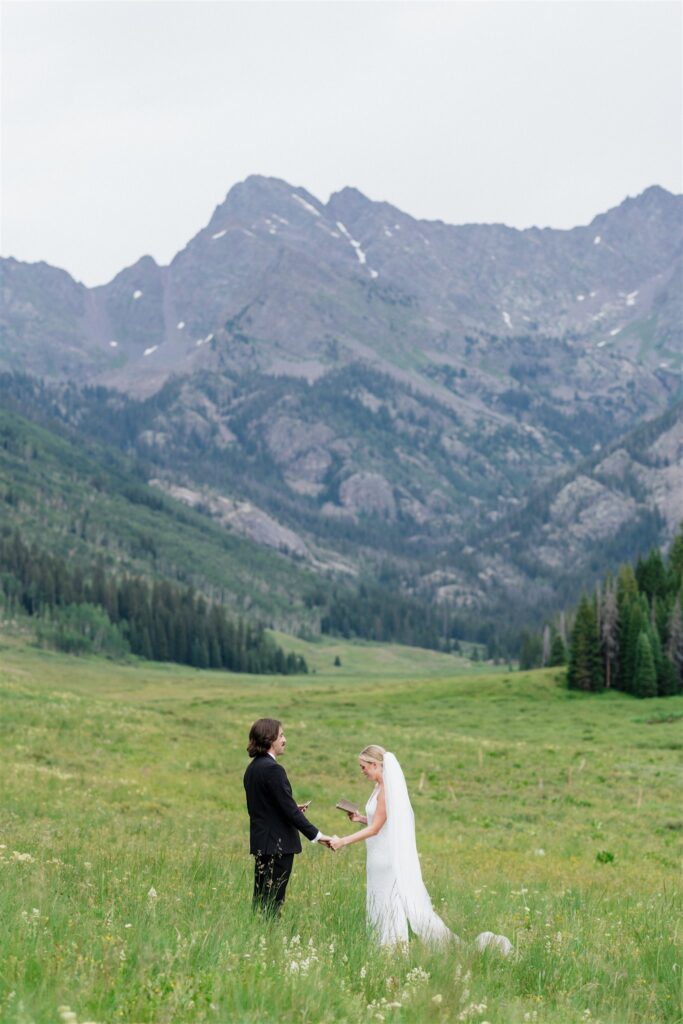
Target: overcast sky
125	123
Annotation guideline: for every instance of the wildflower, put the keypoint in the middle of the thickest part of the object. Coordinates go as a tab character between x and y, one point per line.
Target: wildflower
417	975
24	858
128	926
152	897
437	999
540	852
363	971
473	1010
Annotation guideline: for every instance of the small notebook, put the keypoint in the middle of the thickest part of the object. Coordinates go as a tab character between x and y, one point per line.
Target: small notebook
347	806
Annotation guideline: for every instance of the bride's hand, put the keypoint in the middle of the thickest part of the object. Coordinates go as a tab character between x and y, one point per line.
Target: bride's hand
355	816
336	843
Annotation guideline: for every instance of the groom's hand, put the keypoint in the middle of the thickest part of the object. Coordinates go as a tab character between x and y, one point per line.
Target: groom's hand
325	841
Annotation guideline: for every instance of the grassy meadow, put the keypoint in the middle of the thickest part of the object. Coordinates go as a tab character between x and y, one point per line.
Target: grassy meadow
125	881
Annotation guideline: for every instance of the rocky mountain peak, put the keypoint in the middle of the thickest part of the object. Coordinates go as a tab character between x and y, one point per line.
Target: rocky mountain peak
259	196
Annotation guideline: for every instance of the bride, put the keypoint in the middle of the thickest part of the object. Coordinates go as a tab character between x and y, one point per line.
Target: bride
396	894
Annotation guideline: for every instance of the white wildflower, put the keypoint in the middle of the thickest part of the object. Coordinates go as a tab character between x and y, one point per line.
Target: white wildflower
24	858
473	1010
417	976
437	999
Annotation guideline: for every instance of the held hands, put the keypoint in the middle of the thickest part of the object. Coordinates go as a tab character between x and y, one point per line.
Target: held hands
331	842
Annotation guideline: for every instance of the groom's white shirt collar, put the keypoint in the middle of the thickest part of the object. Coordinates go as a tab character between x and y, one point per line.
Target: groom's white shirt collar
271	755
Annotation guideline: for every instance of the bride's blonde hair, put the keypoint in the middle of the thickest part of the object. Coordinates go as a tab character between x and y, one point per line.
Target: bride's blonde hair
373	754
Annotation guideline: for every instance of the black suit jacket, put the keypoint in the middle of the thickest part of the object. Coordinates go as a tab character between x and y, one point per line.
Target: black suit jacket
274	817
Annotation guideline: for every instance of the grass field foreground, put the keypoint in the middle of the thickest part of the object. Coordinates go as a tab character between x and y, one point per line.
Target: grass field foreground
125	881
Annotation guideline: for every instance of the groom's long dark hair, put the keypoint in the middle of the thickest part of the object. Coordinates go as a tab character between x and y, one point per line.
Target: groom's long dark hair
262	735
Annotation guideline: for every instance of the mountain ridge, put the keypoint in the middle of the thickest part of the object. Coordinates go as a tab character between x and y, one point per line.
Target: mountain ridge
368	384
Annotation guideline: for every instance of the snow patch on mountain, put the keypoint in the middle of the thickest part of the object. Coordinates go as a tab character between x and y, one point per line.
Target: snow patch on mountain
306	206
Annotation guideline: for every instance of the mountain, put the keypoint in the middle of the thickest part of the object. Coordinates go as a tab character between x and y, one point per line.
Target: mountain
620	501
349	385
79	499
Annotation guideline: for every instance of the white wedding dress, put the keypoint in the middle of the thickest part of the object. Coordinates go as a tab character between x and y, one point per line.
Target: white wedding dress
396	894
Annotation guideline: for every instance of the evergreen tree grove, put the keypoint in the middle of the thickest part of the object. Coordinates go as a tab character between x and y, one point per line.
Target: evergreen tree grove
159	621
638	631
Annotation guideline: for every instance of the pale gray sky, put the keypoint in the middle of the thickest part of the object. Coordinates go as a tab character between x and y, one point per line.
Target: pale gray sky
125	123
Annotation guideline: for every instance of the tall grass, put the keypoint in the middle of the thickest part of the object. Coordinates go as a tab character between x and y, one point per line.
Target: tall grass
125	883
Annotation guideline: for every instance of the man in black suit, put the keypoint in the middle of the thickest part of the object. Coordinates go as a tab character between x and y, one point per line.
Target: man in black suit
275	819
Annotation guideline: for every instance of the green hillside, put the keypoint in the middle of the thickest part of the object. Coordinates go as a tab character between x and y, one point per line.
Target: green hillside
84	501
547	815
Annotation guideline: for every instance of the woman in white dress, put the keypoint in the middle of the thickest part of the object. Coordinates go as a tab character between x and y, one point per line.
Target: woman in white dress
396	894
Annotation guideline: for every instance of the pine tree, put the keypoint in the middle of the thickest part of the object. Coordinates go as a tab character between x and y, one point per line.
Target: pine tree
558	653
627	596
635	623
674	567
667	680
645	679
651	575
658	657
585	662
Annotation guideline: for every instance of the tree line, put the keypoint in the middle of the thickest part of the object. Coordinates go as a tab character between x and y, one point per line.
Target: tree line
628	635
377	612
157	620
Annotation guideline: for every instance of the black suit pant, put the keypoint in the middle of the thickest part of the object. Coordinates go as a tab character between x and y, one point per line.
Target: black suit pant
271	875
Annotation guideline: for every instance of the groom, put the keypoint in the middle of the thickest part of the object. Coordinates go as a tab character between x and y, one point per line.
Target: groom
275	820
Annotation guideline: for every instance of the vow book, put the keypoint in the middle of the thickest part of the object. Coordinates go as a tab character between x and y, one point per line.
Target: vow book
346	805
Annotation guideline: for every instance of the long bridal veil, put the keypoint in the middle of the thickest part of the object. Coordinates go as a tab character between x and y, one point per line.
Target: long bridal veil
411	889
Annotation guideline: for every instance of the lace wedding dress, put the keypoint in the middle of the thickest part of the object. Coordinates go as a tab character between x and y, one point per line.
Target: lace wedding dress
396	894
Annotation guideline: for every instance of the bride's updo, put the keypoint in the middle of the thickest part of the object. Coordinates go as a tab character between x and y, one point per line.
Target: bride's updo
373	754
